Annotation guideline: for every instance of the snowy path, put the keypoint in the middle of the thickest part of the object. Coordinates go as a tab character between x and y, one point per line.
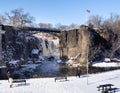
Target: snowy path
73	85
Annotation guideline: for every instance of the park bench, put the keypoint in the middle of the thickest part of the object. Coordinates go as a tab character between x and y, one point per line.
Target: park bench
60	78
18	81
107	88
104	87
113	90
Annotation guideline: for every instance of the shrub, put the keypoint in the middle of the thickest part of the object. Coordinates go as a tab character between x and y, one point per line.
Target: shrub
2	63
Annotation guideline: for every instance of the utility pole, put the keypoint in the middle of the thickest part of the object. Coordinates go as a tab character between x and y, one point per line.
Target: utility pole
87	64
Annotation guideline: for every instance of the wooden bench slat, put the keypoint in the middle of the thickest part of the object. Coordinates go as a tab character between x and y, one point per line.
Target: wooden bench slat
18	80
59	78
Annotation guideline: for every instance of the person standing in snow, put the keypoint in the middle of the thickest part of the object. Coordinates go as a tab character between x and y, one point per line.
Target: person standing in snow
78	72
10	78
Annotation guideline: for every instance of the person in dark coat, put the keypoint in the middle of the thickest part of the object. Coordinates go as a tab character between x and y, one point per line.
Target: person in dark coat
78	72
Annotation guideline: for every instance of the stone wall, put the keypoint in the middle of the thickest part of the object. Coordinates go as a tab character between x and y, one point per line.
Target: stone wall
74	42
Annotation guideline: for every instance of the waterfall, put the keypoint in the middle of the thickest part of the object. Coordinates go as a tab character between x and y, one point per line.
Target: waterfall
50	47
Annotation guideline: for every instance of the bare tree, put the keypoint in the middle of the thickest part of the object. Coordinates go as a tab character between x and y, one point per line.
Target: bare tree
2	19
61	27
73	26
95	20
113	23
18	18
109	23
116	26
115	47
45	25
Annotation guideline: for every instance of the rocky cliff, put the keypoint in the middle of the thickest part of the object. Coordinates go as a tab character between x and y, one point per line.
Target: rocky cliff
84	44
79	44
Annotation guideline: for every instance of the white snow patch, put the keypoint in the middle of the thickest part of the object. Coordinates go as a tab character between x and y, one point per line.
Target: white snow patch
35	51
14	62
31	66
104	64
2	66
107	59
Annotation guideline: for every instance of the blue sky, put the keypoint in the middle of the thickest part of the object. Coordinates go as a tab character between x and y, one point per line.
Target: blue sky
62	11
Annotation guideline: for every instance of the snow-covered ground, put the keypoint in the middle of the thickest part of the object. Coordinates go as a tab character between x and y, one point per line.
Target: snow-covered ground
73	85
104	64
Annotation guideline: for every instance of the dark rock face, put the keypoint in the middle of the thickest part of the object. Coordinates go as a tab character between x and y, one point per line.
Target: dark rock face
98	46
19	44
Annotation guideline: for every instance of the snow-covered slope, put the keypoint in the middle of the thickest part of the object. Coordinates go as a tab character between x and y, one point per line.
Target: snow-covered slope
104	64
73	85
